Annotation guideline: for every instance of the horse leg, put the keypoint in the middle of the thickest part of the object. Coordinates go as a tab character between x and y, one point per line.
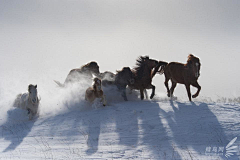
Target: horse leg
124	95
104	100
146	94
198	87
174	84
166	84
29	111
188	91
141	93
130	91
30	114
153	91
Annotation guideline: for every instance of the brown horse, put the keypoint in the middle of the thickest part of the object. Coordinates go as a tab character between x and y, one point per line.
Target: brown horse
142	75
186	74
86	71
95	92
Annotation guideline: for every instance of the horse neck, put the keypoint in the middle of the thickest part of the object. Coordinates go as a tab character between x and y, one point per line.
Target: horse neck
118	77
190	69
143	70
95	88
97	92
147	72
30	102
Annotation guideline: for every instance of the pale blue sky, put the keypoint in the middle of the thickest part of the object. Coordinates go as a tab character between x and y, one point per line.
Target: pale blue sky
48	38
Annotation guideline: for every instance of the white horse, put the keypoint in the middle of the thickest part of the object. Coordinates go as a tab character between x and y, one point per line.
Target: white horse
28	101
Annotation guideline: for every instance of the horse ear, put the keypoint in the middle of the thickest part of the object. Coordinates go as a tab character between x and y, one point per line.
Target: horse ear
35	86
190	55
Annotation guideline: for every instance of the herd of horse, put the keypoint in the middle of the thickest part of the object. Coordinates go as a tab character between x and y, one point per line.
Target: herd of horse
138	78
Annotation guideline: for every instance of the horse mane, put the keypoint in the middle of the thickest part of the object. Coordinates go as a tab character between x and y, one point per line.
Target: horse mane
139	69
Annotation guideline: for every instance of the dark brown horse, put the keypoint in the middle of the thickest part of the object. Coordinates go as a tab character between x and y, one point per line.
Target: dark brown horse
123	78
142	75
86	72
186	74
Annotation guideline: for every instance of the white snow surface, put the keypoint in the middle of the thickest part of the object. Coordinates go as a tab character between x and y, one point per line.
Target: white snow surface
70	128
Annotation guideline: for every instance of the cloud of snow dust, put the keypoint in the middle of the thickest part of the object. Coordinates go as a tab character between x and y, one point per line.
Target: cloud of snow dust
53	98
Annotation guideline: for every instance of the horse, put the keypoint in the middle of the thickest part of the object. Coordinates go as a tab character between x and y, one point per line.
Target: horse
123	78
95	92
186	74
86	71
28	101
143	75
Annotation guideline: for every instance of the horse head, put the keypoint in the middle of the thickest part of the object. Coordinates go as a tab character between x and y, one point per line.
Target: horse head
151	63
97	84
128	75
33	95
194	64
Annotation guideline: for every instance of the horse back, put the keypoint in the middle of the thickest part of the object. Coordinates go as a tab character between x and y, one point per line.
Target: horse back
175	71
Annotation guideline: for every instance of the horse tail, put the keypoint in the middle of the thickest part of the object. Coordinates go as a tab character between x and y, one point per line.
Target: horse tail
160	65
163	65
59	84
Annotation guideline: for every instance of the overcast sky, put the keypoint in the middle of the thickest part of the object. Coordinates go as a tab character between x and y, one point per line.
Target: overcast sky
43	38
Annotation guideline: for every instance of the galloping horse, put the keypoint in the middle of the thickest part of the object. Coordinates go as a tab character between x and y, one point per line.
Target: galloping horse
86	71
95	92
143	75
28	101
186	74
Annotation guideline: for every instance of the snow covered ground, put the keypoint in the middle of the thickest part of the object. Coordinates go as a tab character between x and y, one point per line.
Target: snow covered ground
149	129
41	41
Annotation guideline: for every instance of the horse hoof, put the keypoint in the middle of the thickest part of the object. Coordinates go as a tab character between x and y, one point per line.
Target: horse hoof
151	97
29	111
194	96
